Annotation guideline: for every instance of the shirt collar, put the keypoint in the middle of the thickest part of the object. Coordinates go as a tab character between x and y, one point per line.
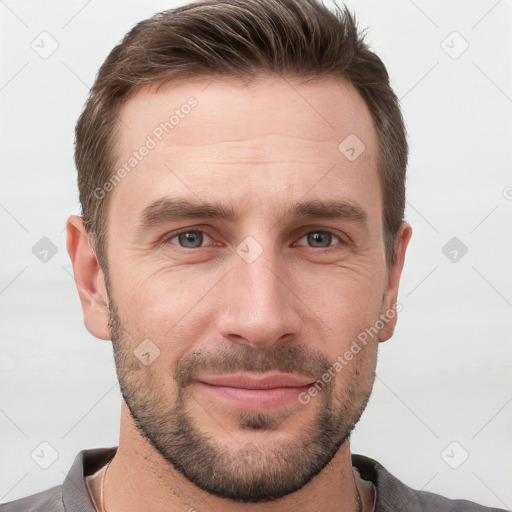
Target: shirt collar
75	496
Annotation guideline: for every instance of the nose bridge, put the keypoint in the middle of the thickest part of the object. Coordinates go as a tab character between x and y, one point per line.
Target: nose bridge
258	304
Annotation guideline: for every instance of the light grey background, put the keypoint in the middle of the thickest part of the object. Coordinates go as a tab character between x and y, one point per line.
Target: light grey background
444	377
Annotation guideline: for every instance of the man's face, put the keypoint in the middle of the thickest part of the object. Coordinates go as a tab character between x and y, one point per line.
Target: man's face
266	292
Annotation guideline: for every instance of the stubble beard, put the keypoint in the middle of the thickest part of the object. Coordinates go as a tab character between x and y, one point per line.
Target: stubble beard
259	471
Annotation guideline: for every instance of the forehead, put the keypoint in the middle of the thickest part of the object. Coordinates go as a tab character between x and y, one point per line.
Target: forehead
331	108
272	139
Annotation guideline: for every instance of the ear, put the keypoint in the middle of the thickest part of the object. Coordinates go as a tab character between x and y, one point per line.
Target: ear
391	293
89	279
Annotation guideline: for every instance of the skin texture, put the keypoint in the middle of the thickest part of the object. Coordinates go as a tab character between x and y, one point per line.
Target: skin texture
297	307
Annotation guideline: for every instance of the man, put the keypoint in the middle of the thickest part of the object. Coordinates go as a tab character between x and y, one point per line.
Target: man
241	167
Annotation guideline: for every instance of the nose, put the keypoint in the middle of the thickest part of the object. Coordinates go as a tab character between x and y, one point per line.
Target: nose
258	304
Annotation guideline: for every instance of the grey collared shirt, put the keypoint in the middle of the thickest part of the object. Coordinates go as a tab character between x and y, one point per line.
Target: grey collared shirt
391	494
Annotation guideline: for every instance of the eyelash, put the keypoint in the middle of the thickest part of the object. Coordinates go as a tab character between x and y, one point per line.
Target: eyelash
342	242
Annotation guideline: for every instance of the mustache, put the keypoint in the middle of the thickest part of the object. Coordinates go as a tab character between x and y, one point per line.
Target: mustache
240	358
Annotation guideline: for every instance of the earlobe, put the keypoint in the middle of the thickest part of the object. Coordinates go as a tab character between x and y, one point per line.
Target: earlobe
389	309
89	279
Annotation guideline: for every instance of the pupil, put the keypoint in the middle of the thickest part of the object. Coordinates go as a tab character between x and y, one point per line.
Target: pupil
317	237
192	237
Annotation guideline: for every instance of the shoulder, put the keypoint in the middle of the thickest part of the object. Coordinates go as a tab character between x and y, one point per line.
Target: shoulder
431	501
73	493
45	501
394	496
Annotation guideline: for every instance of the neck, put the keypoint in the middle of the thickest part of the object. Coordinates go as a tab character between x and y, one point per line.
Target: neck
139	478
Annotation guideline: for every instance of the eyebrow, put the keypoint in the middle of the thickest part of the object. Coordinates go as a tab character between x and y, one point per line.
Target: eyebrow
167	209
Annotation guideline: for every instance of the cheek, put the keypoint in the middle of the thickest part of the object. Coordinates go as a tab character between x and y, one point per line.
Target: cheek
350	312
350	298
354	367
170	310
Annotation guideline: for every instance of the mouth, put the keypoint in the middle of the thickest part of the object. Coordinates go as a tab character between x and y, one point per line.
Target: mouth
250	392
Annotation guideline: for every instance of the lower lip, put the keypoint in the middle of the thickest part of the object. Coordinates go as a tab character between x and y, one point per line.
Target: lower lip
254	399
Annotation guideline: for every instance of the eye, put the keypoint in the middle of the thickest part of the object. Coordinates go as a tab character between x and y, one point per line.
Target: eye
189	239
320	238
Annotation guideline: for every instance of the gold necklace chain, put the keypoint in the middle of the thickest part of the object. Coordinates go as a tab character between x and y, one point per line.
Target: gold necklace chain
359	504
102	503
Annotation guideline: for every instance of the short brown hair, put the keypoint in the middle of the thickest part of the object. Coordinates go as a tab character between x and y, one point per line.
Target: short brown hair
240	39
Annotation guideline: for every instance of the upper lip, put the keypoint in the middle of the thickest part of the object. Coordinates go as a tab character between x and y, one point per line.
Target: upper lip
246	381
